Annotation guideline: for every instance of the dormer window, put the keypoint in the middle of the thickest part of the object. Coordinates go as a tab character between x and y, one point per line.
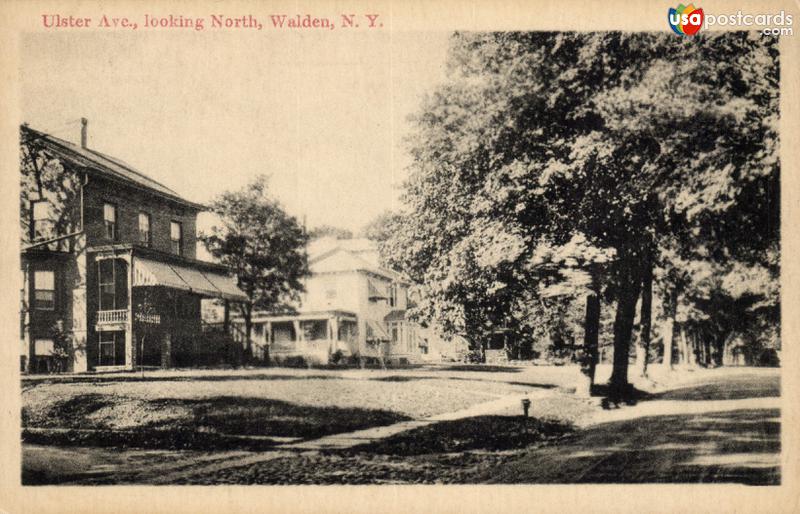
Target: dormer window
110	220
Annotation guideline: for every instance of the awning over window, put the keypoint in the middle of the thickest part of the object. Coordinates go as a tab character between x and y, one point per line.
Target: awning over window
154	273
395	315
147	272
227	286
377	291
376	332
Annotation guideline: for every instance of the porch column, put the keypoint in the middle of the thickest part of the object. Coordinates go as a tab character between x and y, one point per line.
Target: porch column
298	337
226	317
130	346
333	326
130	338
166	349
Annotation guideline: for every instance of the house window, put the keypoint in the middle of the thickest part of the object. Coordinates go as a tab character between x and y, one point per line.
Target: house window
348	331
44	294
314	330
113	284
43	347
111	349
144	228
110	220
283	334
43	224
176	236
397	332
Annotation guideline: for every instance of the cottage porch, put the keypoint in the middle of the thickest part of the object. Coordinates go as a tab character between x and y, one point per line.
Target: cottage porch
314	336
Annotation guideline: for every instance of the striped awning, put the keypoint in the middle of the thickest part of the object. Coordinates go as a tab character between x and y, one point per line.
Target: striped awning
377	291
395	315
148	272
376	332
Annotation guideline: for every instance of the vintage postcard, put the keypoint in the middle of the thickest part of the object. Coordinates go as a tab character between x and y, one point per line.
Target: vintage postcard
399	256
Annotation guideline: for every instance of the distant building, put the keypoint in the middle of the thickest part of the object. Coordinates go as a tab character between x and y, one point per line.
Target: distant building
109	275
352	307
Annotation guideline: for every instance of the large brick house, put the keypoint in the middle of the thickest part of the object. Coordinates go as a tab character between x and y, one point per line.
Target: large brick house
110	280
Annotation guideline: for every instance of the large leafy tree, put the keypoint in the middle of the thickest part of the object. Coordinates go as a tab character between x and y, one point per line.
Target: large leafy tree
55	184
262	244
624	139
382	226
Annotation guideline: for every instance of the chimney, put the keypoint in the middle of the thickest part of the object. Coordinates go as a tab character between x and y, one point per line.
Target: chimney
84	123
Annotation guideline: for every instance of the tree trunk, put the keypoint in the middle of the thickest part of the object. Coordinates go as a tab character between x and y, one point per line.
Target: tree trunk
590	344
623	326
248	329
667	335
592	333
680	342
691	355
646	316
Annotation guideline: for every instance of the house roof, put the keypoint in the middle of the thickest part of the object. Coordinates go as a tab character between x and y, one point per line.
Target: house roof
331	256
105	166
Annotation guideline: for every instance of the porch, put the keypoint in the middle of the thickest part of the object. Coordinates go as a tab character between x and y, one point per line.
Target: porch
148	311
314	336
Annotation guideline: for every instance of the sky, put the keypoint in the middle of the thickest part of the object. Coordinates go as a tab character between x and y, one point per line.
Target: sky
323	115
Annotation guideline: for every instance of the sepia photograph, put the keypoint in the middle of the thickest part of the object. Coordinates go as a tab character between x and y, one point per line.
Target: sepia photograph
307	247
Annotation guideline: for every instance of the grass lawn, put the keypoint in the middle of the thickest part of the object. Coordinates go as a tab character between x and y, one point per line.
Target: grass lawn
122	428
251	409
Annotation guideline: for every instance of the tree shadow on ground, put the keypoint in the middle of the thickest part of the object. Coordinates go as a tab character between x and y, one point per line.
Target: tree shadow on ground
404	378
731	388
612	399
487	433
218	423
132	377
736	446
483	367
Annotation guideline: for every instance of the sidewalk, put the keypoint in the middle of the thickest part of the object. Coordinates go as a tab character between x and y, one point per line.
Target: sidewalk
352	439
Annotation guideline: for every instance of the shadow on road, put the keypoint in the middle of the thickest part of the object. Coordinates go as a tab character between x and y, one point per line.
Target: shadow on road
731	388
736	446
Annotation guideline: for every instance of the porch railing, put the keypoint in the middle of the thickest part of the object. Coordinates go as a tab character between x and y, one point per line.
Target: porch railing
154	319
115	316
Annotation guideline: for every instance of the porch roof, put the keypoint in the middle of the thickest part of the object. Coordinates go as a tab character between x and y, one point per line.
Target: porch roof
303	316
148	272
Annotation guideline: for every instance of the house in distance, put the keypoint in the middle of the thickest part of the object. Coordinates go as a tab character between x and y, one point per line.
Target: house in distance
352	308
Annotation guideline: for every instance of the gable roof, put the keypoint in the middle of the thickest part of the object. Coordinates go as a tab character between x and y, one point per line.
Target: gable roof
105	166
337	257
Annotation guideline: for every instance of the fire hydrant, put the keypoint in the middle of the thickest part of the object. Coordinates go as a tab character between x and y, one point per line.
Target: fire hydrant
526	405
